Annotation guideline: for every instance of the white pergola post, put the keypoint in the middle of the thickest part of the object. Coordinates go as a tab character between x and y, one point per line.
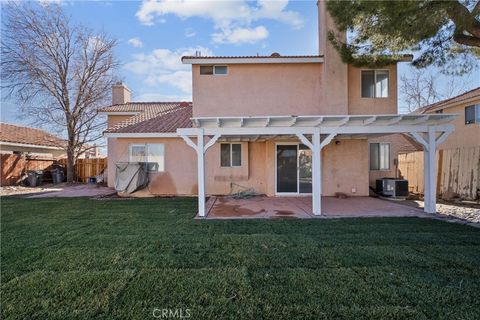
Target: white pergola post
200	148
201	174
431	207
317	173
430	143
316	146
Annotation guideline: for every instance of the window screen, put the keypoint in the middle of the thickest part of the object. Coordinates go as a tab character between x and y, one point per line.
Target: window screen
138	153
156	157
375	83
151	153
379	156
368	84
221	70
472	114
381	84
225	155
236	155
374	156
206	70
230	154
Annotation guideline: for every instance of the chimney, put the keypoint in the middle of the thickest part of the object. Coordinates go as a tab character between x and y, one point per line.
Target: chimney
120	93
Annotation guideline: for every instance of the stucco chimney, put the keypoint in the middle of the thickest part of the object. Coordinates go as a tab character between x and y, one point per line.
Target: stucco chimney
335	72
120	93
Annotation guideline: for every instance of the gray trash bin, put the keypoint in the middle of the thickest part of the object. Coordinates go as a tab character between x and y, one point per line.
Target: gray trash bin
57	175
34	178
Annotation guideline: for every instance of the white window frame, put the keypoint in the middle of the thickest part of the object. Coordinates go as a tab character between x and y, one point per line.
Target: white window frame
476	110
298	193
214	73
146	145
219	74
379	148
375	83
231	155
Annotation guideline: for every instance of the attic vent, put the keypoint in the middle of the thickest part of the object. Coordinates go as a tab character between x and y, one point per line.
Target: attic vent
275	54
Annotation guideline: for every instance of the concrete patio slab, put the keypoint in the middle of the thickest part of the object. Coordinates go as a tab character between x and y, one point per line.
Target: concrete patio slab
263	207
76	190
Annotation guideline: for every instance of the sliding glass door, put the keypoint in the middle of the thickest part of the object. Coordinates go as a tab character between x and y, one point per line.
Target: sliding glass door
294	168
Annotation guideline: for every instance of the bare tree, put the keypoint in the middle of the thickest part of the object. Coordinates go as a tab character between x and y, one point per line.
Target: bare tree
59	72
418	90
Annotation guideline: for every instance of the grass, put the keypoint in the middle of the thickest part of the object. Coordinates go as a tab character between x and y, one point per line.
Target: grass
113	259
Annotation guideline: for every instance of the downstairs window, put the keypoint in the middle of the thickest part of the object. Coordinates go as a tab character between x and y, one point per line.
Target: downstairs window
379	156
151	153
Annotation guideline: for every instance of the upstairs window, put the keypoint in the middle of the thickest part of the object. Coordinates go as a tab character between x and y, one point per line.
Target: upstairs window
151	153
230	155
379	156
214	70
472	114
375	83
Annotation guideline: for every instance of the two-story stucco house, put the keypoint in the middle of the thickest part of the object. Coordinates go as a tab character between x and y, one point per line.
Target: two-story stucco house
282	125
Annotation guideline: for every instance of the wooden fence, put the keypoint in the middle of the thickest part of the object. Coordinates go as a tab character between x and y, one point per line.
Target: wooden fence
458	171
13	167
86	168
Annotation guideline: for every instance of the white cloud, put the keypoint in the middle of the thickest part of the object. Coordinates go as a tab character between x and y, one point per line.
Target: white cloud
241	35
229	17
135	42
155	96
164	66
47	2
189	32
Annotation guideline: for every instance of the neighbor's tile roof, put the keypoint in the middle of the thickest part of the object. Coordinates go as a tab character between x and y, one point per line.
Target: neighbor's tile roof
161	117
475	93
25	135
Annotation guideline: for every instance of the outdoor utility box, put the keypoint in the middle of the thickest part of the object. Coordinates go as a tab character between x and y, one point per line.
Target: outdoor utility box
392	187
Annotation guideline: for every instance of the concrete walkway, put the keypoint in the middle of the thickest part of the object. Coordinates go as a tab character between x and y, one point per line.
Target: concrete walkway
301	208
75	190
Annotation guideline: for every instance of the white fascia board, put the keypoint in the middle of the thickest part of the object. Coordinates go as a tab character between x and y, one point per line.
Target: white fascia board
113	113
226	61
141	135
25	145
323	130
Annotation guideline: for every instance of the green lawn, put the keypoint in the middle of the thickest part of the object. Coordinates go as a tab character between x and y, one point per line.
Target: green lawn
121	259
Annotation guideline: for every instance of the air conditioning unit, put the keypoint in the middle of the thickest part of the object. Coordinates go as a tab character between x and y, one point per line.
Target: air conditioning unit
392	187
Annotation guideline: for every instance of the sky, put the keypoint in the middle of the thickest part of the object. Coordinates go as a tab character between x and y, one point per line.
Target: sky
153	35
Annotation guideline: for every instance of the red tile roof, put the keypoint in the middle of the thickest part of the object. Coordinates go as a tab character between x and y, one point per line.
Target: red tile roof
472	94
25	135
163	117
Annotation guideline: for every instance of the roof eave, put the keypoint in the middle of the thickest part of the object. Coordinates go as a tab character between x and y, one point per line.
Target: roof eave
253	60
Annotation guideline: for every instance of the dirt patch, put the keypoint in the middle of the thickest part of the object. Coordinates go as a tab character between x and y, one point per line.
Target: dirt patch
284	212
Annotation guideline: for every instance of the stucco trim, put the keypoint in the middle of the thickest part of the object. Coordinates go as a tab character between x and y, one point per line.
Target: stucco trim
253	60
141	135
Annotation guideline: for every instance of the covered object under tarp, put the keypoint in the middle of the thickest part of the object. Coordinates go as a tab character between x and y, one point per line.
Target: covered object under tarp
130	177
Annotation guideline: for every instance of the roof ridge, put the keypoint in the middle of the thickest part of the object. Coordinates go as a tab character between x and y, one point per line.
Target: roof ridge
435	104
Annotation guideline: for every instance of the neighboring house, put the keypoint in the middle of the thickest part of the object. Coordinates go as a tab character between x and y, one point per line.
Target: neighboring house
467	124
282	125
33	142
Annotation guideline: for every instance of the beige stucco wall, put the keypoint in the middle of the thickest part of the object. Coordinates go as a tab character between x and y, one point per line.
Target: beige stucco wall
344	166
259	90
465	135
359	105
